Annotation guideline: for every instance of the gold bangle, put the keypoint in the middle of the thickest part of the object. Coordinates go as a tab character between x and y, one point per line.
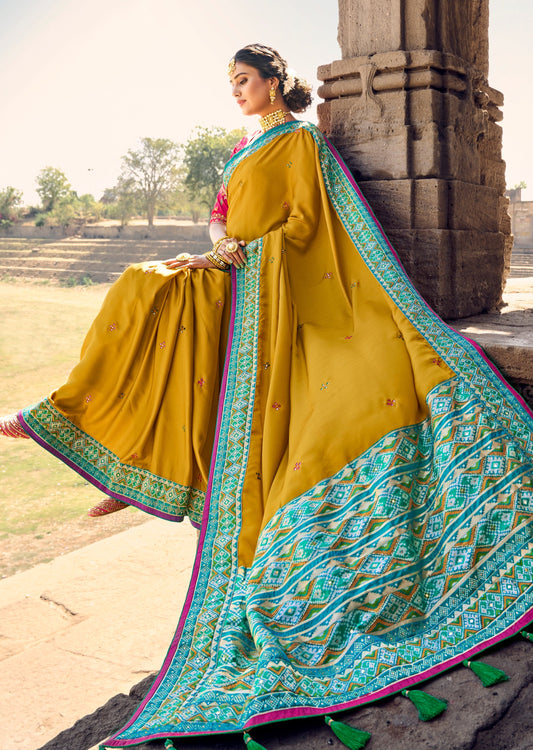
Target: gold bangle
219	242
217	261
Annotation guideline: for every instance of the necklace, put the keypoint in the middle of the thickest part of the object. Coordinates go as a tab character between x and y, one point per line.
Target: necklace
272	119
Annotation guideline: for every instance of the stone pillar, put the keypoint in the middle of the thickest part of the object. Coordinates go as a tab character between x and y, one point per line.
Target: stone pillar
411	112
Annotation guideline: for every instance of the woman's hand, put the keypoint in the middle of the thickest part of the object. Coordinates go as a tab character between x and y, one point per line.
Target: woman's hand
185	260
238	257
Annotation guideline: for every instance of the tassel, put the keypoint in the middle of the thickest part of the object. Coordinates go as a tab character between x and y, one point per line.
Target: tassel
169	745
428	706
353	738
527	635
252	744
487	674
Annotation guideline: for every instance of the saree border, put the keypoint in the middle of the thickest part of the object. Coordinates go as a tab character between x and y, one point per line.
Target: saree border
221	519
102	468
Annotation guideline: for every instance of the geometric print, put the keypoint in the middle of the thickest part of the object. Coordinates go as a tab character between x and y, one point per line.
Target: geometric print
419	551
414	556
104	469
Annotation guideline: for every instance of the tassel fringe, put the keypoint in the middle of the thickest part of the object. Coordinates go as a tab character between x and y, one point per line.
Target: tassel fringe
428	706
487	674
354	739
252	744
527	635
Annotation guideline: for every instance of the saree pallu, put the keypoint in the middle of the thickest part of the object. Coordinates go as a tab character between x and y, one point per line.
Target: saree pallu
368	510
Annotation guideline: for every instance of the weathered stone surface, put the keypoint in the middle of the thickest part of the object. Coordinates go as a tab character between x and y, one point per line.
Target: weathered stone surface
410	103
461	29
443	264
474	718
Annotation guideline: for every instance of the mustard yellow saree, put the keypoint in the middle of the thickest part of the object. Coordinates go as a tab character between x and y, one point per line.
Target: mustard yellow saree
367	520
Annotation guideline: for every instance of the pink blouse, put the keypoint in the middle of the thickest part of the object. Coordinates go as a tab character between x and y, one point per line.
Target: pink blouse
220	209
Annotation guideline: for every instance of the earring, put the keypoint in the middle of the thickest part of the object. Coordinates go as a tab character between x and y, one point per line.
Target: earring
272	94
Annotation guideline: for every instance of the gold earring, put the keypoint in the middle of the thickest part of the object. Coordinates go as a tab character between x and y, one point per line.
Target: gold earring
272	94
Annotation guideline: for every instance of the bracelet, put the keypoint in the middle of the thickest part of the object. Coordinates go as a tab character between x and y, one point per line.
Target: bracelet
219	242
217	261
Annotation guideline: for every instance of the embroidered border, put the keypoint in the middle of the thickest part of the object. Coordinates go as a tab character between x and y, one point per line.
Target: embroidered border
191	655
103	468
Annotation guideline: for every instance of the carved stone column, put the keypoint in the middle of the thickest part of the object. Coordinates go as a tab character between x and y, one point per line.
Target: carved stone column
411	112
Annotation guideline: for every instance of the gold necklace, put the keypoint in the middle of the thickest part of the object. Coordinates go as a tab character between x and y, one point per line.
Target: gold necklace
272	119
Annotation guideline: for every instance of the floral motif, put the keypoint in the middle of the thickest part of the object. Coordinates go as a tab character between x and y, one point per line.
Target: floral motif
289	164
266	366
154	311
272	259
324	386
391	402
328	275
276	406
181	329
162	344
88	398
219	303
112	327
437	361
121	394
149	270
347	338
200	382
285	205
297	466
134	456
354	284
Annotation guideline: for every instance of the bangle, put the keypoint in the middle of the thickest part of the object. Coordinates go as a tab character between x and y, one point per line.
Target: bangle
217	261
219	242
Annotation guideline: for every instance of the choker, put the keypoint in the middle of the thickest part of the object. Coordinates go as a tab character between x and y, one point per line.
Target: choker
272	119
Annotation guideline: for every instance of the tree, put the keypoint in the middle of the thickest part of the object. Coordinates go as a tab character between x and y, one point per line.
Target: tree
205	155
52	187
152	171
122	201
10	200
520	186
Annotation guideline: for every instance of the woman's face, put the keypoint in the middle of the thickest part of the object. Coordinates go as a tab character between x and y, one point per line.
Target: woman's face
251	91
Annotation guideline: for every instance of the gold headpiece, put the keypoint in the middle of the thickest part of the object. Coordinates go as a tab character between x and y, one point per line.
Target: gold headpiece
231	67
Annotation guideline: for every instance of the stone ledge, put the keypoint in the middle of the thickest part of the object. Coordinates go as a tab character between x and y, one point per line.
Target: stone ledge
507	335
475	716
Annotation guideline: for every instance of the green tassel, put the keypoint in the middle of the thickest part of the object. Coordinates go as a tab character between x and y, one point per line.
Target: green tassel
169	745
353	738
252	744
527	635
428	706
487	674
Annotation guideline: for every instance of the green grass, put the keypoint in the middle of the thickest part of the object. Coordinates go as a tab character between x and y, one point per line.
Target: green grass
43	504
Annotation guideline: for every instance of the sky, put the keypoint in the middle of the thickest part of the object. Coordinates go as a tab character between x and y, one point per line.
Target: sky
83	82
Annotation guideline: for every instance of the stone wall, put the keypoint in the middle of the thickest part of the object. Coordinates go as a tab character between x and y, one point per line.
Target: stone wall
412	114
521	213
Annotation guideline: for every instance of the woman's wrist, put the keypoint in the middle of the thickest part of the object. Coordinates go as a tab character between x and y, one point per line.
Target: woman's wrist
215	259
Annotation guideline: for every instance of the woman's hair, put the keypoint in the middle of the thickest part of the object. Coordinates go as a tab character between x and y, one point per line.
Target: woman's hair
296	91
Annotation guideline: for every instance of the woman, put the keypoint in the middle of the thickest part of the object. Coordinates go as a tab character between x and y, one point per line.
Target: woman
369	499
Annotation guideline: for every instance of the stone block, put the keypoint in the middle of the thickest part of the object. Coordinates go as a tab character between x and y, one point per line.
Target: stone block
473	207
459	273
426	151
370	149
390	201
430	204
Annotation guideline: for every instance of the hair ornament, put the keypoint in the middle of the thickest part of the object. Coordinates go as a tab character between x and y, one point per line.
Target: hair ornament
231	67
290	80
